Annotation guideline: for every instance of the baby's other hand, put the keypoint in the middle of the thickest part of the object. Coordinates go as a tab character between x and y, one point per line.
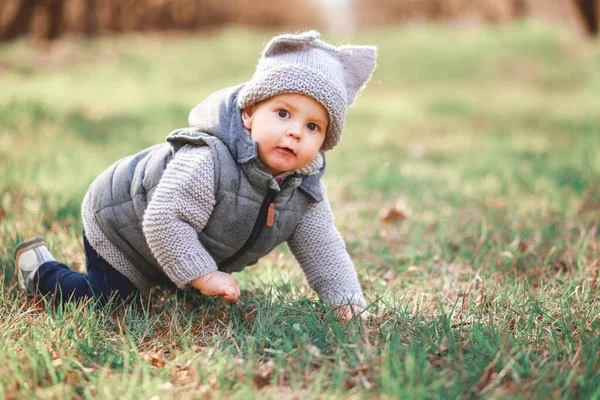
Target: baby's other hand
348	311
220	284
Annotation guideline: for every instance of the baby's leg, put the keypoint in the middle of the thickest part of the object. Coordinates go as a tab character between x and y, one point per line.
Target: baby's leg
53	278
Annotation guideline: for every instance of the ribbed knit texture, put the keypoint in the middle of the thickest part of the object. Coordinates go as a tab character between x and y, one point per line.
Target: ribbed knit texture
181	206
321	253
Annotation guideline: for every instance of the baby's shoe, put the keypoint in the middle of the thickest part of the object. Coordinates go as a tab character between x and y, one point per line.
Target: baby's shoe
29	255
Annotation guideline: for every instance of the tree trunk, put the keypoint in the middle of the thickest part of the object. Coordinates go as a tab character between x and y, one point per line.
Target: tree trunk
21	21
589	11
90	27
520	8
115	16
55	12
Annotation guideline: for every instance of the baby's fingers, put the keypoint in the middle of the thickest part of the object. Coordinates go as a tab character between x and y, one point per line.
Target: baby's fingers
230	294
349	313
344	313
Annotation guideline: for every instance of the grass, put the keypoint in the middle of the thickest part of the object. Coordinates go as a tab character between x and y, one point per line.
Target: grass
487	140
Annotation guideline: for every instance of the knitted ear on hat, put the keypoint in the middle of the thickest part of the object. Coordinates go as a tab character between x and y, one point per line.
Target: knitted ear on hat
289	42
359	63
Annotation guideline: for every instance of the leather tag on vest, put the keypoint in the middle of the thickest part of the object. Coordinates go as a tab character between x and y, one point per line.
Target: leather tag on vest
271	215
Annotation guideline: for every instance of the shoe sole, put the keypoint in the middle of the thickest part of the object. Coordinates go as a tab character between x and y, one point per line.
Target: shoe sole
28	244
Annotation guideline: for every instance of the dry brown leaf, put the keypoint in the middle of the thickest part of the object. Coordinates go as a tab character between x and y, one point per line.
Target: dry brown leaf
560	266
392	214
506	390
156	358
182	376
71	378
205	392
55	227
525	245
262	375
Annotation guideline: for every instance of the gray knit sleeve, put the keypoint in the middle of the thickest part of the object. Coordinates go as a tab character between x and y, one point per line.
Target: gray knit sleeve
322	255
182	203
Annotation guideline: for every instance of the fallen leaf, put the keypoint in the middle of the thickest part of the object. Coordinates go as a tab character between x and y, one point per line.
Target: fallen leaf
156	358
560	266
525	245
55	227
392	214
182	376
262	375
71	377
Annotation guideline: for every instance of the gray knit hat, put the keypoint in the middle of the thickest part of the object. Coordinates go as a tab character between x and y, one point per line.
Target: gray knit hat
304	64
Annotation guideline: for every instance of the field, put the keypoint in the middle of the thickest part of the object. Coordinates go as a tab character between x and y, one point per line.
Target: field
466	186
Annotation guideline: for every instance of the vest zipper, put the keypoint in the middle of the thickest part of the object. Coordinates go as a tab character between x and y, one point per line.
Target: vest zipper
266	217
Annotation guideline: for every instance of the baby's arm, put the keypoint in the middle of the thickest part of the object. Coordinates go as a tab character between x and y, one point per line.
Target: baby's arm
180	208
322	255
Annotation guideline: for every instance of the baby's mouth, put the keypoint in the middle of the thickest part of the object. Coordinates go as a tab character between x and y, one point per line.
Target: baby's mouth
287	150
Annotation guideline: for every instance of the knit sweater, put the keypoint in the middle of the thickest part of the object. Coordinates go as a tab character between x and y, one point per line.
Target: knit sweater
180	208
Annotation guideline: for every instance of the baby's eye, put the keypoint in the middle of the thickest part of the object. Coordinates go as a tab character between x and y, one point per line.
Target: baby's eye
312	127
283	113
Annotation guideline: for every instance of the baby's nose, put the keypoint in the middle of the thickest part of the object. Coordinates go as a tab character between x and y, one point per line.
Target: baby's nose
295	132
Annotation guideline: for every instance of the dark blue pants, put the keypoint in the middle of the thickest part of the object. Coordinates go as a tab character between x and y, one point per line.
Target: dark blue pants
102	281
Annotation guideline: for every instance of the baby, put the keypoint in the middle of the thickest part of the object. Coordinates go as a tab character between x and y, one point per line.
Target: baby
222	193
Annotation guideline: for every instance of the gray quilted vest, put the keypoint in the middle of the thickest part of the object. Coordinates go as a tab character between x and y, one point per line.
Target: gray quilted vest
237	233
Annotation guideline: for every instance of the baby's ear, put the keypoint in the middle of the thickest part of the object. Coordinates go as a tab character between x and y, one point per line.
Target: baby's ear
289	42
248	116
359	63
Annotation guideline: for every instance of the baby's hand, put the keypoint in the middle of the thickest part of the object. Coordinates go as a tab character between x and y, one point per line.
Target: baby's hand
220	284
347	312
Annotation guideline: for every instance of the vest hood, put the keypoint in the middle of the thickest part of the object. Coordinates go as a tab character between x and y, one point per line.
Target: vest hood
219	115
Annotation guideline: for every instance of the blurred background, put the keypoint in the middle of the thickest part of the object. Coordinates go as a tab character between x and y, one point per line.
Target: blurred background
50	19
472	156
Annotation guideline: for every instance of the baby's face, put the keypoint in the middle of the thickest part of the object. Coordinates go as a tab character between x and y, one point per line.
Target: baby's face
289	129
